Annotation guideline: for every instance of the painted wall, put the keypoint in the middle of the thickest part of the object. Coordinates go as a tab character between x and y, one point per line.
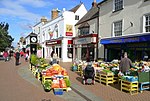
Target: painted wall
133	11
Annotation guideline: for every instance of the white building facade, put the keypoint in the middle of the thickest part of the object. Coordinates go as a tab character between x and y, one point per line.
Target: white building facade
56	35
124	26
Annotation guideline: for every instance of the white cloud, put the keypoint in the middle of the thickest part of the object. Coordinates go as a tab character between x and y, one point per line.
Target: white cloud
15	9
35	3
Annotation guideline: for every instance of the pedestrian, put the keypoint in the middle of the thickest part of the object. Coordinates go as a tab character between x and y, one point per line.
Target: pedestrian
26	56
55	58
125	64
5	55
17	57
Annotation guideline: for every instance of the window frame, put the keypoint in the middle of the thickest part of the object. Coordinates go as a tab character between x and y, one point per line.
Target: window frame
114	7
114	28
84	30
77	17
144	22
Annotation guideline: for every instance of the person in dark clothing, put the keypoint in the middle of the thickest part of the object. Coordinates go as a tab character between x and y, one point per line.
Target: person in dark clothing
125	64
89	72
17	56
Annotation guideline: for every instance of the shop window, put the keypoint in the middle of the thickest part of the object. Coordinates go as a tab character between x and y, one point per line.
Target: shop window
147	23
70	51
76	17
117	28
84	31
118	5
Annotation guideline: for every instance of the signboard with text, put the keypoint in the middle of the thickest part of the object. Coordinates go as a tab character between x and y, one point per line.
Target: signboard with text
69	30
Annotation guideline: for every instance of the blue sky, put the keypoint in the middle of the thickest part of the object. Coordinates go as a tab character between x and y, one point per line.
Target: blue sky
22	14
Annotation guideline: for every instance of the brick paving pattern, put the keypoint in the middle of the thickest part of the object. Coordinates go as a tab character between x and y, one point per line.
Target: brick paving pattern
19	84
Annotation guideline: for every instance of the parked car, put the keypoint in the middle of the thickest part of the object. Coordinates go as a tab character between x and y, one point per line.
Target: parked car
1	57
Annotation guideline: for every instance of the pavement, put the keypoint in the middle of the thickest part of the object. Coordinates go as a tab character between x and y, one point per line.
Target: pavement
19	84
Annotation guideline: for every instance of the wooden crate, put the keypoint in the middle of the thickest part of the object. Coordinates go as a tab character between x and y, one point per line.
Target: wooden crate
131	87
106	79
97	78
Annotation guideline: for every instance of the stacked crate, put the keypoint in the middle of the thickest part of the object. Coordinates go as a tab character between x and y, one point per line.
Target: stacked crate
131	87
107	78
97	77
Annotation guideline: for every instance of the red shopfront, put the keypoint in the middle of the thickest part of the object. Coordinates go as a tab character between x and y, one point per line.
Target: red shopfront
53	46
63	48
85	47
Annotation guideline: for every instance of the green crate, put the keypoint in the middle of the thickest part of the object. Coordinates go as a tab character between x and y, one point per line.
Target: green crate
144	77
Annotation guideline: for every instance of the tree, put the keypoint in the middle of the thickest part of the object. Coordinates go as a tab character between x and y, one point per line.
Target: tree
5	39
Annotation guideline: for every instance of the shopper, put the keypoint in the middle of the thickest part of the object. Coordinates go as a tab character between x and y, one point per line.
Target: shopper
55	58
17	57
26	56
125	64
5	55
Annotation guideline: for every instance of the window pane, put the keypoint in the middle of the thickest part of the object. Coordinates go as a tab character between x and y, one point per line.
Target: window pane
118	4
147	23
118	28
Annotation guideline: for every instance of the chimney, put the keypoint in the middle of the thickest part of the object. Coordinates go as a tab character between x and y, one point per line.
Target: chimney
43	19
94	4
54	13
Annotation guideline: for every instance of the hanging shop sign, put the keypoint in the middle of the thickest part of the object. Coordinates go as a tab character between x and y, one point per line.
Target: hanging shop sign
70	42
85	40
69	30
129	39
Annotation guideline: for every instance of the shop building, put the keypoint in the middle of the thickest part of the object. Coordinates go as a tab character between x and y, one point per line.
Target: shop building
125	26
57	33
85	44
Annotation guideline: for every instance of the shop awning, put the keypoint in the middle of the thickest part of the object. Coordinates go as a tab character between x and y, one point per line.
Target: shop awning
126	39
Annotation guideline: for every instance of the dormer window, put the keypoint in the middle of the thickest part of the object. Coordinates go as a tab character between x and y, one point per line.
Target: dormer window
84	28
76	17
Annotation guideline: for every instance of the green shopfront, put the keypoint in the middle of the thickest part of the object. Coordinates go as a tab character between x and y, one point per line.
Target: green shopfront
137	46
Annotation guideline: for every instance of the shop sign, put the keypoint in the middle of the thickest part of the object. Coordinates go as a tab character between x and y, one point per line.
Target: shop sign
54	42
69	30
69	41
125	40
85	40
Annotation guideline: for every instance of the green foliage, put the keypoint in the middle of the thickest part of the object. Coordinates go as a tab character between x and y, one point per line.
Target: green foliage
68	83
5	38
34	59
42	61
39	46
47	85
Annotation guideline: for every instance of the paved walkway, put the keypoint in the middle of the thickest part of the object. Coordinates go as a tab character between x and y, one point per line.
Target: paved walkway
107	93
76	94
15	88
17	83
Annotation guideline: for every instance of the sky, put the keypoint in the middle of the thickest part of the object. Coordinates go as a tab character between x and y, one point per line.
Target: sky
21	15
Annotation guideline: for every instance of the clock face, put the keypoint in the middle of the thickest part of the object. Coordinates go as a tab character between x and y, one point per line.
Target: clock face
33	39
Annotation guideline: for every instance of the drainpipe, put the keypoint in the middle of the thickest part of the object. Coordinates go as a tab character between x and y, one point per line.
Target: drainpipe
97	53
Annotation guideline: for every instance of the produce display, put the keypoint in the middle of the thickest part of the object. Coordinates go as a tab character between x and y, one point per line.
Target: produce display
52	76
139	73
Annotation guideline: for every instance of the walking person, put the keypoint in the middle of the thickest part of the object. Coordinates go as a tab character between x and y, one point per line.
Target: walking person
5	55
125	64
26	56
17	57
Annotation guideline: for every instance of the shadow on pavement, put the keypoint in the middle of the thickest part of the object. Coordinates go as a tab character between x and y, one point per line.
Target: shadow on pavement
79	79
